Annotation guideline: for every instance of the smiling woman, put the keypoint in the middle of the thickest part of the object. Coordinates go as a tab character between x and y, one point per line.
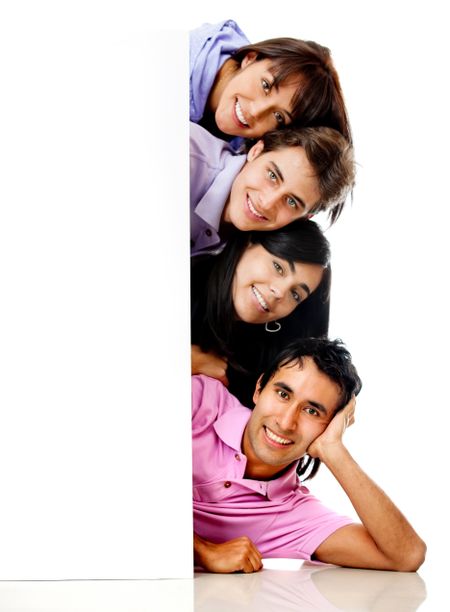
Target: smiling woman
239	296
244	90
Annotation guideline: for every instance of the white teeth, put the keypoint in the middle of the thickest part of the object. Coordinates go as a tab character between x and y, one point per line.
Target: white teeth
253	209
276	438
260	298
239	113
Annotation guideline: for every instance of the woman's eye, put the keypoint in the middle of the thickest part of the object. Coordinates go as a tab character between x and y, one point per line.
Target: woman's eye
297	297
291	202
272	176
266	86
277	267
280	119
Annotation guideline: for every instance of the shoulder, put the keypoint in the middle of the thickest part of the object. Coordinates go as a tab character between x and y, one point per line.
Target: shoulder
206	150
200	138
210	399
207	391
227	29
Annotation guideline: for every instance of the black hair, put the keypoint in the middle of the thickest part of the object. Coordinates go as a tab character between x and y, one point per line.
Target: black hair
333	359
248	347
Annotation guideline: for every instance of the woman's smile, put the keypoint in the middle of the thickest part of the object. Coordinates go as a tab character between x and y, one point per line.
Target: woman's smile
266	288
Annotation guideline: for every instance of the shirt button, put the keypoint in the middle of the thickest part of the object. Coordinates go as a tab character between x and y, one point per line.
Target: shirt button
227	484
237	457
208	232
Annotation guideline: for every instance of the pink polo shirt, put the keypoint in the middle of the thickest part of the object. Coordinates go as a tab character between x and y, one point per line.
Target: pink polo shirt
280	516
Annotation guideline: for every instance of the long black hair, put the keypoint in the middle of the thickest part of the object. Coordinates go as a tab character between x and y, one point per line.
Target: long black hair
248	347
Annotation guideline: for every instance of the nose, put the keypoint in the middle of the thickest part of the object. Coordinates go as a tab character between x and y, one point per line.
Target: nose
268	199
287	420
258	107
278	288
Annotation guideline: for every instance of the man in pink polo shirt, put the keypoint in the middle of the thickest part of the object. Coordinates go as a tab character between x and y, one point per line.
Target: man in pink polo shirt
249	502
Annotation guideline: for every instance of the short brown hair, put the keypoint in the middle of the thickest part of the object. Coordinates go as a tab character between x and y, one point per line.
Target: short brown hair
331	157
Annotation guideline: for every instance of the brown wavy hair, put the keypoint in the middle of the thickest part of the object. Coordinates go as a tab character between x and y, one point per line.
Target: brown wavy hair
319	99
331	157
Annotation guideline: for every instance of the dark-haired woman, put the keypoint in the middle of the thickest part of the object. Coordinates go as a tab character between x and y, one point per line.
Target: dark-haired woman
244	90
263	290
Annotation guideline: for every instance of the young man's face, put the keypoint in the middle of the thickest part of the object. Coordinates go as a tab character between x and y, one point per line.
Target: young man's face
272	190
292	410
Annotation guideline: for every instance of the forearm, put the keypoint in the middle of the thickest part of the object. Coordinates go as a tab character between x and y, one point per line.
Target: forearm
389	529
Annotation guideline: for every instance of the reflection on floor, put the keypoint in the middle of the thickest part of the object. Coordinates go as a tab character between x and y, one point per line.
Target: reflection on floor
303	587
312	587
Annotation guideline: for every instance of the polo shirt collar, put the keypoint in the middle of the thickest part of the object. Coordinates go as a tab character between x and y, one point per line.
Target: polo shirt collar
230	429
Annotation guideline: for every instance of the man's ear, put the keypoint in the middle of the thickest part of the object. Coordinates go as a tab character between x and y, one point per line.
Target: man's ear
249	59
256	150
257	392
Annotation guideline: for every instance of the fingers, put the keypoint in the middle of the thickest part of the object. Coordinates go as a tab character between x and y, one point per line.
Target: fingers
349	413
251	557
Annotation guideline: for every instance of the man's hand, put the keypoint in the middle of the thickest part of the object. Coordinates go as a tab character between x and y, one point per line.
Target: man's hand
238	555
209	364
332	435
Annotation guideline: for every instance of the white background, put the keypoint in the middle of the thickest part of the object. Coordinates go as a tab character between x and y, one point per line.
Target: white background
82	126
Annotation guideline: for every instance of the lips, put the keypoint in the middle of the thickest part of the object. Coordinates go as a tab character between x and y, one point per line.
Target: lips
261	301
240	115
255	213
276	439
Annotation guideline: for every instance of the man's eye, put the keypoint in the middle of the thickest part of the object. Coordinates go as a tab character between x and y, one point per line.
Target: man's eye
280	119
266	86
291	202
312	411
277	267
283	394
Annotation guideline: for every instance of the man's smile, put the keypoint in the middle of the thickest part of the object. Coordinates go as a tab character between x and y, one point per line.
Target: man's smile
275	438
253	210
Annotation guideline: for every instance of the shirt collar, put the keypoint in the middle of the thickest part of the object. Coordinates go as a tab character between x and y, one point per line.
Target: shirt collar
210	207
230	429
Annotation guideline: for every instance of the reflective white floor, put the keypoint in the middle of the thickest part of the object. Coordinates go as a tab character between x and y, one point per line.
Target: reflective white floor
306	588
310	588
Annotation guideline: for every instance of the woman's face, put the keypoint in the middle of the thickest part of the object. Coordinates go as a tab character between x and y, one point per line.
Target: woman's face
266	288
249	106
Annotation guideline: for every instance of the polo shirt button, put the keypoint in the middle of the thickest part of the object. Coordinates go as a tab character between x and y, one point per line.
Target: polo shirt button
237	457
208	232
227	484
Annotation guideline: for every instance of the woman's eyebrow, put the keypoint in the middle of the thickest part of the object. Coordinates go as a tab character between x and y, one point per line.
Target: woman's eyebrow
280	174
277	84
303	286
